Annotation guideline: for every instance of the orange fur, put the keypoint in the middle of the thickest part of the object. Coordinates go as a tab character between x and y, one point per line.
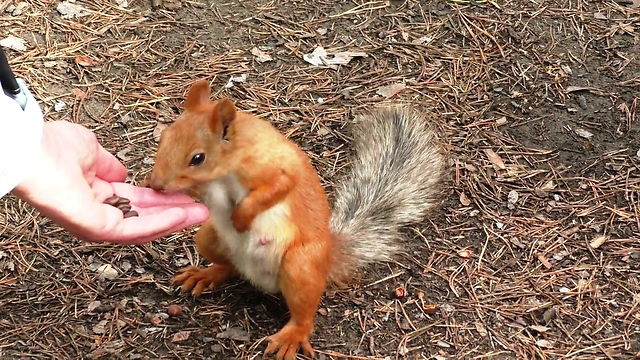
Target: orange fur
282	211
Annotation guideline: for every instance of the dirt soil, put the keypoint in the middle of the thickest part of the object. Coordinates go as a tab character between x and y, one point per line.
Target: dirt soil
533	252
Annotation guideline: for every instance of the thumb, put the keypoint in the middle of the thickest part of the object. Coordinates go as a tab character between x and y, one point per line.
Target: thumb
108	167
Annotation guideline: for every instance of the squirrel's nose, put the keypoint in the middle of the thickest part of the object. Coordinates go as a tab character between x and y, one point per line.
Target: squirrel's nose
150	183
155	186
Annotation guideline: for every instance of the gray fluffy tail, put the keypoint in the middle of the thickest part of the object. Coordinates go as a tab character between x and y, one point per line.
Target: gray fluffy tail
393	182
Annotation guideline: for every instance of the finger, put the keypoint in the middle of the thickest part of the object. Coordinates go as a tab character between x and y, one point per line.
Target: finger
108	167
196	214
133	230
196	210
145	197
102	189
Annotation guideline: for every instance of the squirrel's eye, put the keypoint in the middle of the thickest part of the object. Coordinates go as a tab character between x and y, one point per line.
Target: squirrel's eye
197	159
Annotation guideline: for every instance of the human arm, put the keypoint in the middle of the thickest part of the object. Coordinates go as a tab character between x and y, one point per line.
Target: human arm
64	172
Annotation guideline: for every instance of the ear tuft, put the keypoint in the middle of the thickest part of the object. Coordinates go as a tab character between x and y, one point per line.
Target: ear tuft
225	111
197	94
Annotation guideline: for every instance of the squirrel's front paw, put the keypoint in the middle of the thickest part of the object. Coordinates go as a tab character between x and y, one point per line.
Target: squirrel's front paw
242	218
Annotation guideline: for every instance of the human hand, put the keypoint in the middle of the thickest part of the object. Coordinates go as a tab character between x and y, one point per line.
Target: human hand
74	174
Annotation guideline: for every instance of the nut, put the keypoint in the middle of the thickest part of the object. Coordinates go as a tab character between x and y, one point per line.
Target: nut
174	310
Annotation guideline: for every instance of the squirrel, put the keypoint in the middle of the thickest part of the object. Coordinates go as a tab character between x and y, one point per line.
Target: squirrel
270	220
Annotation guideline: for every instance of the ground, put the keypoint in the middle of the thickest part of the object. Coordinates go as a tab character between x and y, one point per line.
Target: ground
533	252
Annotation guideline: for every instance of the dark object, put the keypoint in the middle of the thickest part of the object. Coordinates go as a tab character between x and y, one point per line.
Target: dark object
130	214
8	80
123	204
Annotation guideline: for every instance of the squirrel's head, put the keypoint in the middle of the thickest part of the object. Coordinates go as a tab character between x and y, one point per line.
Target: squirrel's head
192	150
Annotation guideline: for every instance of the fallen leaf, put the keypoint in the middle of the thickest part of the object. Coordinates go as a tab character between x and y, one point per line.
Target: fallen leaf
236	79
234	333
106	271
539	328
18	10
68	10
474	169
549	314
180	336
544	343
544	261
600	16
495	159
583	133
598	241
84	60
423	40
79	93
571	231
481	329
14	43
158	131
126	266
122	154
99	328
319	57
181	262
260	55
93	305
389	91
464	200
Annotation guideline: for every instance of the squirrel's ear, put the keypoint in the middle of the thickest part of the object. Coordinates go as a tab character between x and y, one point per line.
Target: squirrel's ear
198	93
224	112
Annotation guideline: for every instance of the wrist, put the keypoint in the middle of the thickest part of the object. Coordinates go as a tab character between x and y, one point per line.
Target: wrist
20	149
32	174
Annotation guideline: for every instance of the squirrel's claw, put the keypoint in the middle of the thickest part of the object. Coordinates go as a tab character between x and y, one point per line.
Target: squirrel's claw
287	341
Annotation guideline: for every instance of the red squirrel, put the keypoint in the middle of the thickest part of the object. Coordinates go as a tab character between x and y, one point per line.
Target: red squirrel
270	219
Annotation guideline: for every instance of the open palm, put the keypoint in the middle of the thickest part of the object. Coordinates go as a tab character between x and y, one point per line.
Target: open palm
75	174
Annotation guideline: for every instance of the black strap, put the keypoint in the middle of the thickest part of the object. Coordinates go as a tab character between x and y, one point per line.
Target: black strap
7	79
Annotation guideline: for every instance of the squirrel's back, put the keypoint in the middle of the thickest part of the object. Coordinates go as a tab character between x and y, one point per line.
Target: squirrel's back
392	182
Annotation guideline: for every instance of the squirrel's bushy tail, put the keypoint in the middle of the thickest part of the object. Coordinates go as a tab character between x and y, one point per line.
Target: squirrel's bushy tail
393	181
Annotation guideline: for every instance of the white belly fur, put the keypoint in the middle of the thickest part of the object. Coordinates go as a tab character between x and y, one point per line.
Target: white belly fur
257	262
